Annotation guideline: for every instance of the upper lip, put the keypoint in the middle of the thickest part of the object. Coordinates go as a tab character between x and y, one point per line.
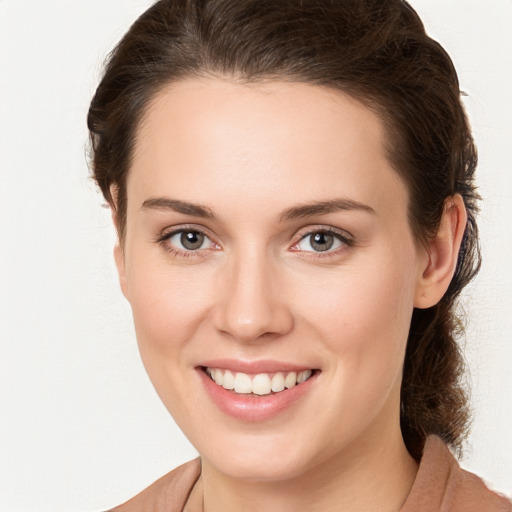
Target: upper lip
254	367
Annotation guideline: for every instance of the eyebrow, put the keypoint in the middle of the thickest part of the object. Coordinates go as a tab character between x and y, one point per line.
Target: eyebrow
296	212
324	207
167	204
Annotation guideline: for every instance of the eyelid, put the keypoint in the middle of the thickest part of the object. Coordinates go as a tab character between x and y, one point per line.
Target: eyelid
326	228
172	230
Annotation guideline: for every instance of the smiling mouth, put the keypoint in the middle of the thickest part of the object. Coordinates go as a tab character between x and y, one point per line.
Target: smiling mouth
261	384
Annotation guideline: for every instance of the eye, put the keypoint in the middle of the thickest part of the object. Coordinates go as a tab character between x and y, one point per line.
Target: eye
187	240
322	241
190	240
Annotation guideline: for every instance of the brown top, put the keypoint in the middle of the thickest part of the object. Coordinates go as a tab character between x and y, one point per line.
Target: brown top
440	486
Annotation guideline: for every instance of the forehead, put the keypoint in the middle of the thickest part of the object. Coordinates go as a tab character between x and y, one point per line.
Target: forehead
281	140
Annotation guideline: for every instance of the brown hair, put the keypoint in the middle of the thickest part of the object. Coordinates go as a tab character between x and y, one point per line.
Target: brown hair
378	52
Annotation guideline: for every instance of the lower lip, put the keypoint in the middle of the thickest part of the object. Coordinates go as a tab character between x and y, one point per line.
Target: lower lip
249	407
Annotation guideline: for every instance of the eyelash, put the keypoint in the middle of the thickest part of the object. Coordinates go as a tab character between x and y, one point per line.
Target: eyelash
345	238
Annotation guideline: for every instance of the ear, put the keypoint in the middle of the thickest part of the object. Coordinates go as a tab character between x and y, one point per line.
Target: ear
121	268
443	252
118	249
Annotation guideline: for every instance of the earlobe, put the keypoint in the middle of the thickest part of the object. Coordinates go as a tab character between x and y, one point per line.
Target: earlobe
443	253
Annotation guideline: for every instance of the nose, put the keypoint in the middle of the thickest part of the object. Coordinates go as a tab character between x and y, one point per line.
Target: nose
251	304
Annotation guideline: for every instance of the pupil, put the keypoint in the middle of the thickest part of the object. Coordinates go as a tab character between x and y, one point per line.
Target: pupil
322	242
192	240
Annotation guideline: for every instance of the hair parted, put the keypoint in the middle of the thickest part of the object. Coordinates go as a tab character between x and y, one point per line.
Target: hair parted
376	51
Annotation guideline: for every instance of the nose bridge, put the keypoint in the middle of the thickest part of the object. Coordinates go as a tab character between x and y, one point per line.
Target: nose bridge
252	305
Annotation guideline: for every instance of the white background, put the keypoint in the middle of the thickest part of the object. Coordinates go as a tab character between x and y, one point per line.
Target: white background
80	427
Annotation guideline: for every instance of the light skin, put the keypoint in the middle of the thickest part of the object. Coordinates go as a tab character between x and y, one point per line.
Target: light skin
260	170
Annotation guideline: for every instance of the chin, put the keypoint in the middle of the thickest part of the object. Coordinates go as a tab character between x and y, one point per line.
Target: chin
257	458
256	468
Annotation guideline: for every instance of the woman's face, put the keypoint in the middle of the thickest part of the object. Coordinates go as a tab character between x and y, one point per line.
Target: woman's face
268	242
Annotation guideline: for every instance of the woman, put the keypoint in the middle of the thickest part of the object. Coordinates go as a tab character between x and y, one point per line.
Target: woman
292	185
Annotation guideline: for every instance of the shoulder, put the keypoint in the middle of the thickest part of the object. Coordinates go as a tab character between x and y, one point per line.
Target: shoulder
442	485
167	494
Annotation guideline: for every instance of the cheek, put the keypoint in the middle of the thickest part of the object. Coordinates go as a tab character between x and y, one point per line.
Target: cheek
168	304
364	320
370	298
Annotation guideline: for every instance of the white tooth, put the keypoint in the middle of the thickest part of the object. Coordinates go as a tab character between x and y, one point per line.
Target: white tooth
278	382
218	376
290	380
229	380
303	376
261	384
243	383
209	371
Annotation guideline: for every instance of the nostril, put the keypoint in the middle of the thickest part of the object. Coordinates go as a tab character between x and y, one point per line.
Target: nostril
254	325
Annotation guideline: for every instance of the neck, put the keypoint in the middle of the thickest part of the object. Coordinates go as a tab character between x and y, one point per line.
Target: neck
376	475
